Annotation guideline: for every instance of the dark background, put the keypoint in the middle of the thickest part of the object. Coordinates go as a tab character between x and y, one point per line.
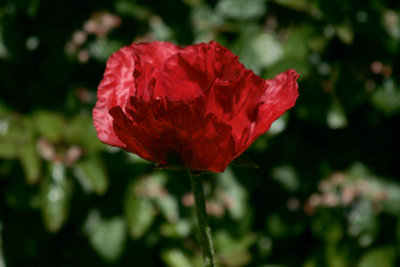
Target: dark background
326	191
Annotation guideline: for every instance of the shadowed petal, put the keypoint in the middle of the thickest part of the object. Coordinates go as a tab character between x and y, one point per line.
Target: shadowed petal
127	71
164	131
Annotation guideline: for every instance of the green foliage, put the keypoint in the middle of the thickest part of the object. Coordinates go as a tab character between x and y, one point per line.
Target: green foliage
140	213
241	9
175	258
55	195
92	175
49	125
383	256
320	188
107	236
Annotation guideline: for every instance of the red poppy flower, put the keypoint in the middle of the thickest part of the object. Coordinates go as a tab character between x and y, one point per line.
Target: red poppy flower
197	106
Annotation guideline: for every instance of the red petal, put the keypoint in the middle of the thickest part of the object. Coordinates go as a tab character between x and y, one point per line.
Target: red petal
160	129
114	90
250	104
149	57
129	66
198	104
233	100
280	95
190	72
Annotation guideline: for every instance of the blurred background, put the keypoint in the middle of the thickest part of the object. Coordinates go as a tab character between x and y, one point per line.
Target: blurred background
326	191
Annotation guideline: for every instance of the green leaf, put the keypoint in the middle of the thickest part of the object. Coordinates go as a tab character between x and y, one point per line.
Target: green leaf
107	236
391	20
168	206
345	33
226	243
180	229
286	175
91	174
296	45
307	6
159	29
279	125
55	195
386	98
129	8
267	49
139	213
205	21
336	117
277	227
231	251
327	226
258	49
235	192
241	9
363	220
15	131
81	131
335	256
31	162
175	258
8	150
390	203
49	125
102	49
382	257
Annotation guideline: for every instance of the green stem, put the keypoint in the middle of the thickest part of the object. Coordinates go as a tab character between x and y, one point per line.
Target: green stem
202	218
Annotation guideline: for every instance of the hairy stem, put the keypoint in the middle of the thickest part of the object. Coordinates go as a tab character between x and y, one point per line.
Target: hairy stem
202	218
